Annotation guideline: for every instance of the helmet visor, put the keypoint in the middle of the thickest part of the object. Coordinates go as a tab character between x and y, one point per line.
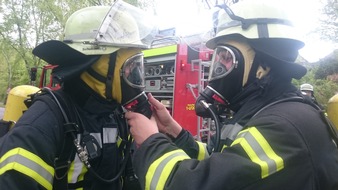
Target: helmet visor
222	63
133	71
126	26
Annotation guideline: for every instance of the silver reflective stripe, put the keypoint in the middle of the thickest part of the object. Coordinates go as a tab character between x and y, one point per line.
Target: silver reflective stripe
97	136
231	131
259	151
19	159
160	169
77	169
272	168
82	36
109	135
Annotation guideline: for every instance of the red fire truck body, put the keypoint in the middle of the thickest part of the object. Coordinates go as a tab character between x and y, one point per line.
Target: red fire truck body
46	78
175	75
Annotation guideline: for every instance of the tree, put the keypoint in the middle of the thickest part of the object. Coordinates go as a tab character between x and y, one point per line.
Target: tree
323	89
329	24
327	66
26	24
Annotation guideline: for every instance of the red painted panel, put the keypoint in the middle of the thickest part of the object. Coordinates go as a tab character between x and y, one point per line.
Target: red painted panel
184	101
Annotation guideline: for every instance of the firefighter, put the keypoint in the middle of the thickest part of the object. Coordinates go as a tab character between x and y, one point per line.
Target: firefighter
275	139
100	69
307	89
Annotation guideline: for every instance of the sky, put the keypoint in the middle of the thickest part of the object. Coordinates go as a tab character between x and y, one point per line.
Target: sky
190	16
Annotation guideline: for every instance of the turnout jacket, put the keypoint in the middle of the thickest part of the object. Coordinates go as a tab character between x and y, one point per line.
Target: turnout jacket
285	146
28	151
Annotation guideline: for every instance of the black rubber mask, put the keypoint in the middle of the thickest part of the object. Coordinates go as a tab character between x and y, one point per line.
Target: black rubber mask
225	78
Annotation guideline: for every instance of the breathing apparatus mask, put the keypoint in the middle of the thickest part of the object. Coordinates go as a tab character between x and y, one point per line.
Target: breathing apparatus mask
133	84
226	76
120	77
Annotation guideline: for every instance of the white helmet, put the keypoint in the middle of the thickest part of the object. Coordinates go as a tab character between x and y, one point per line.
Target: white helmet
100	30
103	30
306	87
265	27
253	20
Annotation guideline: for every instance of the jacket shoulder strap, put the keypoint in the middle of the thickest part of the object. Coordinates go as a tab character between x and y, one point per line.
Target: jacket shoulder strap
60	103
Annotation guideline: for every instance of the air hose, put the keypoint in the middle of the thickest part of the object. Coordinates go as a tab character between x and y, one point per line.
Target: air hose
217	124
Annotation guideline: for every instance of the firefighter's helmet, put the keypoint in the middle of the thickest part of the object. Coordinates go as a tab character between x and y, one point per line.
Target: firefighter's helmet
306	87
332	110
254	20
266	27
15	105
101	30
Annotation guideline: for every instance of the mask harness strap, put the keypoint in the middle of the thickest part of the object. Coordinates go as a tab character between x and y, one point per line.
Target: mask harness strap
107	80
109	77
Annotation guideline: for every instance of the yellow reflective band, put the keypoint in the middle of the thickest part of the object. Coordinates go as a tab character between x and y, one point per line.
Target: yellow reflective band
160	51
159	170
224	146
76	171
202	151
259	151
29	164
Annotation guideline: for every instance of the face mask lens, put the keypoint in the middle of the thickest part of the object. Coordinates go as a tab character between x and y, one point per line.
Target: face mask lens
223	62
133	71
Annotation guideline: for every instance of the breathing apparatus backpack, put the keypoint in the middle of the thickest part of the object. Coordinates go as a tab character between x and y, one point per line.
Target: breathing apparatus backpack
15	106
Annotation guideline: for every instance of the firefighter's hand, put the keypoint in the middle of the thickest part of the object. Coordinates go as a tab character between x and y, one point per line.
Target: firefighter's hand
141	127
166	124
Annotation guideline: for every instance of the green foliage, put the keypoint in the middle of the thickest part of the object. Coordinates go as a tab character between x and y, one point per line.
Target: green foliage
328	66
323	89
329	26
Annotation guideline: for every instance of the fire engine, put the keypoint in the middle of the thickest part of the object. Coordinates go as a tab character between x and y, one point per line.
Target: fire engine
176	70
46	78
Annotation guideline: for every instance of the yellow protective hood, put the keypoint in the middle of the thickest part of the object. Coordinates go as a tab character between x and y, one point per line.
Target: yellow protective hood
101	68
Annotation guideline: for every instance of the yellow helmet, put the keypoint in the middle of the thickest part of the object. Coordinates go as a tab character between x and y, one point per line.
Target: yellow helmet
100	30
95	31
